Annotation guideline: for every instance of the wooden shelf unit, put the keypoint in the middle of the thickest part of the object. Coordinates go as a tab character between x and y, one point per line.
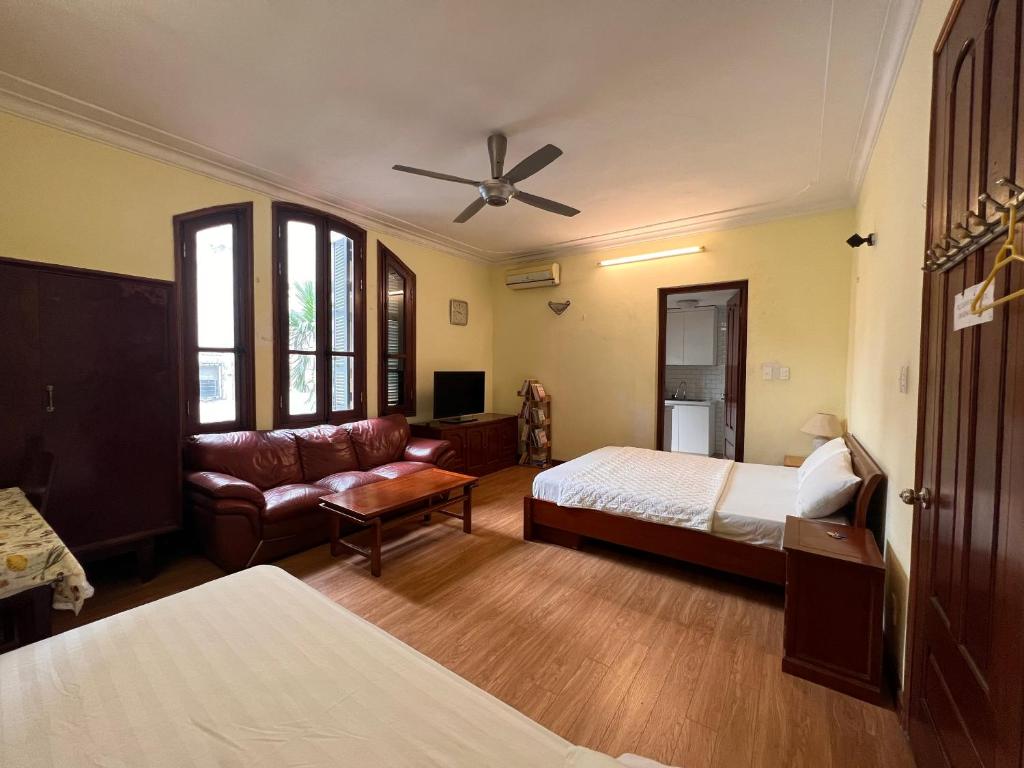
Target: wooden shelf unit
534	414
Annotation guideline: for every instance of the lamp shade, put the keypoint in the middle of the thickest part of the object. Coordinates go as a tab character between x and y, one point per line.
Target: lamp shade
822	425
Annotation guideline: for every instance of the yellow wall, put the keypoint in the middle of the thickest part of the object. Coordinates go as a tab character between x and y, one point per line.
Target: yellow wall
598	360
844	322
73	201
886	303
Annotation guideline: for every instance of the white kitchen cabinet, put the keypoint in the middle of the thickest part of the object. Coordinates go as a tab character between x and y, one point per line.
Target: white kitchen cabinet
690	426
690	336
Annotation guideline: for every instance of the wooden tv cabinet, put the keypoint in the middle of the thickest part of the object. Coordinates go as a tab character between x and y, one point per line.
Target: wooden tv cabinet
482	446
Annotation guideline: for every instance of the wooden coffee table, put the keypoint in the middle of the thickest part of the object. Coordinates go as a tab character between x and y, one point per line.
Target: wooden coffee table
379	506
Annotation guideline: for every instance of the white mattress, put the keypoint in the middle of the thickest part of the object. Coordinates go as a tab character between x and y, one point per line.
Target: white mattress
254	669
752	508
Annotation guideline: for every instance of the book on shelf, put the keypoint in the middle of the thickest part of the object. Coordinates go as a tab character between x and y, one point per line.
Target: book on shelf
525	389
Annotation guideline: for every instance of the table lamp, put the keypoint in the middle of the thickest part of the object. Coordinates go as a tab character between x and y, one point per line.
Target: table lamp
823	426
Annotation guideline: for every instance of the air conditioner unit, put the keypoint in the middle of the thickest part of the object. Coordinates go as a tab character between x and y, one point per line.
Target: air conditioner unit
536	276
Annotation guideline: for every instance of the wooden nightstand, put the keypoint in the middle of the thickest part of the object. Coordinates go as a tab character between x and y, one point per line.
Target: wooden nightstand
793	461
834	607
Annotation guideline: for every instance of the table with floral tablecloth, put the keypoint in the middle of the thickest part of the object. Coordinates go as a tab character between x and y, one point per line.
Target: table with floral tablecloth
32	554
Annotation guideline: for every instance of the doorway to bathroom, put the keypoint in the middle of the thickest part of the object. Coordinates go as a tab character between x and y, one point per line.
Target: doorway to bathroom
702	362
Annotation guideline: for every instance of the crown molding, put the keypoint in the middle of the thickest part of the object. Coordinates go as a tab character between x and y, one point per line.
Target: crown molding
39	104
900	18
27	100
712	222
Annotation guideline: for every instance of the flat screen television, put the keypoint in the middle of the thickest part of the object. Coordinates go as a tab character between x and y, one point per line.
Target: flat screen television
458	394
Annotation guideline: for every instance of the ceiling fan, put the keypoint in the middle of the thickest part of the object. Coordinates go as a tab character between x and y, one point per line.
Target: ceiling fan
500	188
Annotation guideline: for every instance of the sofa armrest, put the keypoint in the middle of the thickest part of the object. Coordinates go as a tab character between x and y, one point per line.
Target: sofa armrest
221	486
439	452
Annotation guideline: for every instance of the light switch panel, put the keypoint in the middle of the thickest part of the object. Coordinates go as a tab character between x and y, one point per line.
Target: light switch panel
784	373
904	381
767	371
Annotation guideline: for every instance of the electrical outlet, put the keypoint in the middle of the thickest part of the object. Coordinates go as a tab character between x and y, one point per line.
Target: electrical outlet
784	373
767	371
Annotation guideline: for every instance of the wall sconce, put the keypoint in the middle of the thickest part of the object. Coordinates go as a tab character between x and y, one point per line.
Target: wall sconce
856	241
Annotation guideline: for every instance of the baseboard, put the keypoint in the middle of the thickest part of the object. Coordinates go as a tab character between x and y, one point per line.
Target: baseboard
891	673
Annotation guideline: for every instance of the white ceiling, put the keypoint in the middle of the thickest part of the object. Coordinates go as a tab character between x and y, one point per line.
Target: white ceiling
674	115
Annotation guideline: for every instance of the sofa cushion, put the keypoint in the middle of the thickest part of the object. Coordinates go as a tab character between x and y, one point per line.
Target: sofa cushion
343	481
265	459
298	526
399	469
379	441
324	451
291	500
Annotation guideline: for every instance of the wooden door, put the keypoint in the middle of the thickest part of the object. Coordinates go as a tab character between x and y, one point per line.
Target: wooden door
735	373
492	444
509	442
476	460
22	399
967	611
108	351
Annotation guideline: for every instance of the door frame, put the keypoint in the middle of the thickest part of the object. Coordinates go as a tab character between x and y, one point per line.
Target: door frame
741	405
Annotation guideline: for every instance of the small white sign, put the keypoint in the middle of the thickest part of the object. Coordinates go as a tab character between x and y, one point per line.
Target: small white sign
962	317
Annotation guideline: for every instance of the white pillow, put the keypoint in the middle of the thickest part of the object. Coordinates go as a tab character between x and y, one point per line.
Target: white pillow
828	487
818	455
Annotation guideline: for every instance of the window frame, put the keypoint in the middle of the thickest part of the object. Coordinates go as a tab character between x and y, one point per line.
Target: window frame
386	258
186	225
282	213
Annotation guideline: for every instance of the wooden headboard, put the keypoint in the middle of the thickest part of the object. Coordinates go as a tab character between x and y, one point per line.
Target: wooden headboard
868	508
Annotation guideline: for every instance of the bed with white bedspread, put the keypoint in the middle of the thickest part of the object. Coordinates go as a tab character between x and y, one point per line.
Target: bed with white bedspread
255	669
744	502
716	512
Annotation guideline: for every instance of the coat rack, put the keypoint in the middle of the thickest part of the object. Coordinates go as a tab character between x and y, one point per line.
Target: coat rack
975	232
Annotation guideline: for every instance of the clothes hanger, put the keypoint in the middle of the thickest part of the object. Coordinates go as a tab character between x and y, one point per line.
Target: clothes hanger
1007	253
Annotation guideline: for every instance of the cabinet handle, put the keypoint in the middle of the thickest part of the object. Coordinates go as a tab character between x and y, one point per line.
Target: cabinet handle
50	407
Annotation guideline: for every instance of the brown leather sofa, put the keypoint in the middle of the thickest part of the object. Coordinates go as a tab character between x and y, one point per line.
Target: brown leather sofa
254	495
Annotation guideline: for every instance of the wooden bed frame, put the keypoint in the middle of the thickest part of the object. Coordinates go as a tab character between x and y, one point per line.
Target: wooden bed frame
568	526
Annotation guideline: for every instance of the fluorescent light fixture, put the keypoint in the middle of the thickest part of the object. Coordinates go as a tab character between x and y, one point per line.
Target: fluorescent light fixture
649	256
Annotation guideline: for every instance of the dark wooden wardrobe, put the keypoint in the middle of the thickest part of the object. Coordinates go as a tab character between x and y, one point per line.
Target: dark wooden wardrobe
89	372
966	668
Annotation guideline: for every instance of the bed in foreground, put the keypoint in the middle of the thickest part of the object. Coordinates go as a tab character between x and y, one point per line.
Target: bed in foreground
255	669
724	515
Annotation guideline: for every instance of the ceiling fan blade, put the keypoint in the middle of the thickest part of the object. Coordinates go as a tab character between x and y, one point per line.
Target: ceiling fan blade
435	175
544	204
535	162
496	146
470	211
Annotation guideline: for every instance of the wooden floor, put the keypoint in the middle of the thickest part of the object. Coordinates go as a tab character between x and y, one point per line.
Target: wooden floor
616	651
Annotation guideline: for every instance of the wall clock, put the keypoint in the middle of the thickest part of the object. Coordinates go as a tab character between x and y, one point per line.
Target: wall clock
458	311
